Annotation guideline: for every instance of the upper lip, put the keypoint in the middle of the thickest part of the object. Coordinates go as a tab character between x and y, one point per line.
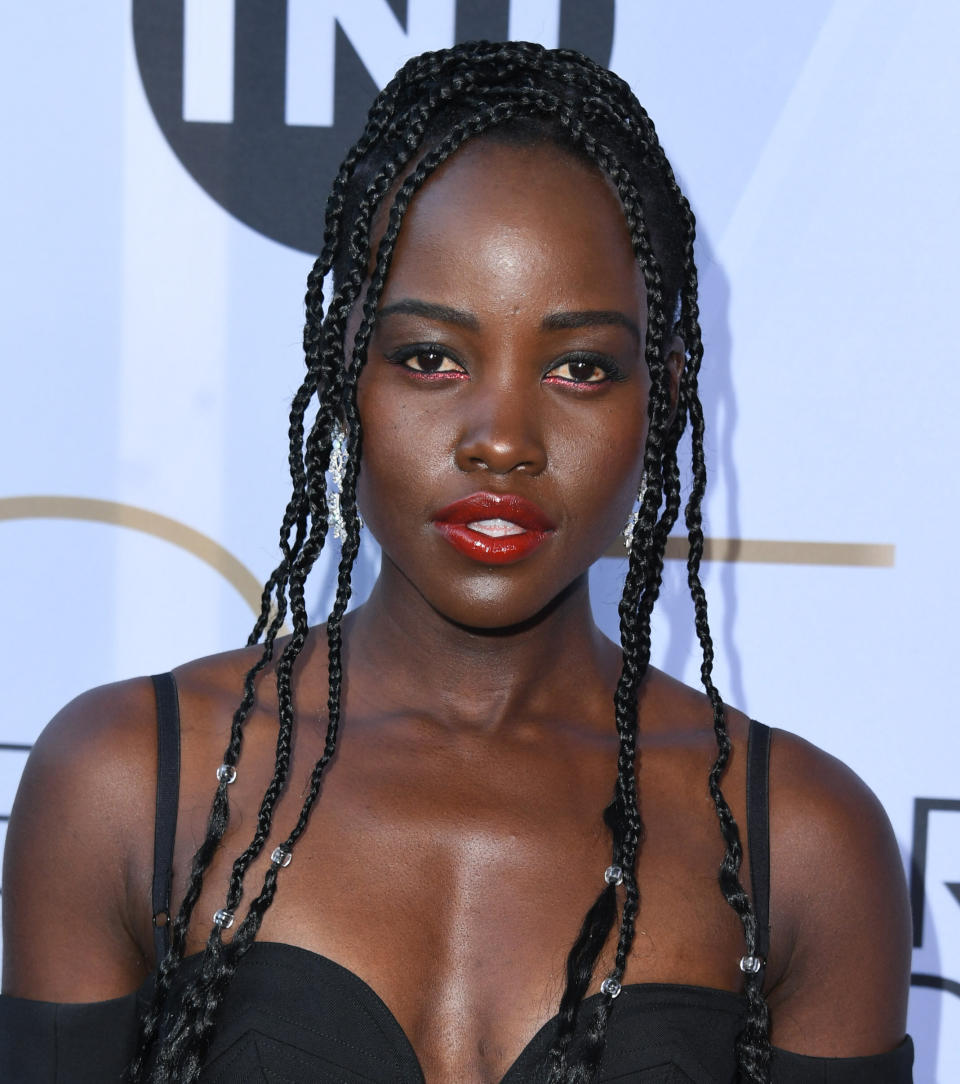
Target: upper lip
508	506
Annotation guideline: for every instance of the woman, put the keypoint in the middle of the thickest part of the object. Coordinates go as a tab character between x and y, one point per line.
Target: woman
506	365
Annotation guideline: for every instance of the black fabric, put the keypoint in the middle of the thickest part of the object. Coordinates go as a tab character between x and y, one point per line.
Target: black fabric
758	829
46	1043
893	1068
294	1017
336	1029
168	794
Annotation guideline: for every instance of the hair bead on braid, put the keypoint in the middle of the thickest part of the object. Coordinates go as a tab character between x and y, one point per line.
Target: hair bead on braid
524	94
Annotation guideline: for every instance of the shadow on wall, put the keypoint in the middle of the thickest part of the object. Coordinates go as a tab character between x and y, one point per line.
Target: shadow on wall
718	395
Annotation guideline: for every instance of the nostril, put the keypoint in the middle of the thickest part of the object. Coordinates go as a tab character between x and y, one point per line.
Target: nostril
502	456
500	434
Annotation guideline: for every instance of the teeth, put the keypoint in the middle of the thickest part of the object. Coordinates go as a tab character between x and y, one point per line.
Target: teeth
495	528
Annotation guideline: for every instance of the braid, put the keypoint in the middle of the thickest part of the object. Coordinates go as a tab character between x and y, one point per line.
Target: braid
436	103
642	582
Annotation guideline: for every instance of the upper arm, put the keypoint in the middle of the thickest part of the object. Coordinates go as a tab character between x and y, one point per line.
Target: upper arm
80	833
840	916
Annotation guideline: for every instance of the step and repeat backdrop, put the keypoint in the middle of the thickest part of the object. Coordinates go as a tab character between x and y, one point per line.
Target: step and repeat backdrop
165	164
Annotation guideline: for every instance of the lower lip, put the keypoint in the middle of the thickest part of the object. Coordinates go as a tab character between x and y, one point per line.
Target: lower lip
491	551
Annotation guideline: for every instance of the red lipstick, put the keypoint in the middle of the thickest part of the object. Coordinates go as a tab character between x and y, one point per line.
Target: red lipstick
494	529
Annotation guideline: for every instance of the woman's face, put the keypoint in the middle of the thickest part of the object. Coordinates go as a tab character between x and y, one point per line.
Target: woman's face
504	399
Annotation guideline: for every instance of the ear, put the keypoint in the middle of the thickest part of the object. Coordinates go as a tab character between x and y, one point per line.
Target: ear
676	356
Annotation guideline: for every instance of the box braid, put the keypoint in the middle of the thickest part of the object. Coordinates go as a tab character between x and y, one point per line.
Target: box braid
519	93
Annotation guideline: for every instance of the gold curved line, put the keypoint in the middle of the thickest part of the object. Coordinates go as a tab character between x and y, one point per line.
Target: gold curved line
91	509
212	553
775	552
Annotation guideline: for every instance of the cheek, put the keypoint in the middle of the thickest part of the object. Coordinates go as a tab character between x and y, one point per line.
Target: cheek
404	453
607	453
599	477
608	491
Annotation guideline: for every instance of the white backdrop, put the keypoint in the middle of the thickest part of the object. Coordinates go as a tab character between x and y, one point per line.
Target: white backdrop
150	346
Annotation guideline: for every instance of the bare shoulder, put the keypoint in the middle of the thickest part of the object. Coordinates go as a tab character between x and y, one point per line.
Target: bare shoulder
839	969
78	860
81	822
840	916
833	837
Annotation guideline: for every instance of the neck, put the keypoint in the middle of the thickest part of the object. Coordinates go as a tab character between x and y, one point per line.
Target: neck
485	678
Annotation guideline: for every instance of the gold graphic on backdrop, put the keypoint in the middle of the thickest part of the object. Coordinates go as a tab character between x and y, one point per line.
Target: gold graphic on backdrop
233	570
236	573
768	552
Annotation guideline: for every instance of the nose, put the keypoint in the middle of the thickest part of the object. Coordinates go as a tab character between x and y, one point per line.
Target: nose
501	432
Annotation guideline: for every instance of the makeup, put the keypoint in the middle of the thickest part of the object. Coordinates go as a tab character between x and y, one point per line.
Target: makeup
494	529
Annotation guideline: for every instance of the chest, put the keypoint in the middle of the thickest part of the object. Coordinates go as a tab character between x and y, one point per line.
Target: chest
453	887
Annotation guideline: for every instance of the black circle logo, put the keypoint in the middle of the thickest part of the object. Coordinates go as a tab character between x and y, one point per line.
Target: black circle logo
260	99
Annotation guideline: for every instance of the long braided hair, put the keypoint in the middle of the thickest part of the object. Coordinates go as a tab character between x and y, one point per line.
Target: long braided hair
517	92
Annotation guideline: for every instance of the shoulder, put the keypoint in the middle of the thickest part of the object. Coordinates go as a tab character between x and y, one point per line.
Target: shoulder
840	916
839	969
99	752
78	859
96	753
79	825
832	835
95	730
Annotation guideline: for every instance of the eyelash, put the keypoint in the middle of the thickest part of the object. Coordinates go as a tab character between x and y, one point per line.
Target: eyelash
415	350
611	371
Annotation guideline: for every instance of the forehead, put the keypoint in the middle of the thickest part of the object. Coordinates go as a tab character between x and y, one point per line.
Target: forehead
508	229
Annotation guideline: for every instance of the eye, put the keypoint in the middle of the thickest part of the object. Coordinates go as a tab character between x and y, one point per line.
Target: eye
584	369
427	360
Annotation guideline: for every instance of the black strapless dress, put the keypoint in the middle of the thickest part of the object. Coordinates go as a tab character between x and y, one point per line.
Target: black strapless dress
292	1017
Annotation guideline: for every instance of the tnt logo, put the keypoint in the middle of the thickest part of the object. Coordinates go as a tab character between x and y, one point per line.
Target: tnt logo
935	893
934	1012
260	99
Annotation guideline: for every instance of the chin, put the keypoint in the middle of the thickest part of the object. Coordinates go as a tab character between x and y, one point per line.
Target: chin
495	608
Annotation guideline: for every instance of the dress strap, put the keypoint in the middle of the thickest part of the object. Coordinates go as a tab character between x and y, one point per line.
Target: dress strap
168	794
758	829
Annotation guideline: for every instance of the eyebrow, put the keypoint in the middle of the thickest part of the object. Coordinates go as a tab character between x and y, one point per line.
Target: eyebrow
562	321
557	321
442	313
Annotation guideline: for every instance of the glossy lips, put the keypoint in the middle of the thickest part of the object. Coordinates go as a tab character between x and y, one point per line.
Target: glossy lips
494	529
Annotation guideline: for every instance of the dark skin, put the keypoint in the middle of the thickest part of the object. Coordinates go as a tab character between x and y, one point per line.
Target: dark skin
458	840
